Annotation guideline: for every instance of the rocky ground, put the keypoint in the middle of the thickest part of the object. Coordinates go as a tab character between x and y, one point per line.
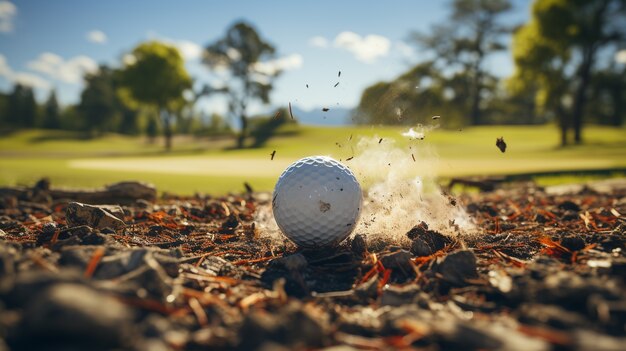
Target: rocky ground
547	272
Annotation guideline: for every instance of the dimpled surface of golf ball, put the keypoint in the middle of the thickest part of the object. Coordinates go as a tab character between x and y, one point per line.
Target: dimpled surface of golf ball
317	202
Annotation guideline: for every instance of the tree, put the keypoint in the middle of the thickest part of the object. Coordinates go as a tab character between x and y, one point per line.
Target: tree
22	107
52	115
98	105
560	48
462	45
156	77
243	53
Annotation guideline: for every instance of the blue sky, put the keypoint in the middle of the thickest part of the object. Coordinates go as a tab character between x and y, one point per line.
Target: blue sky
50	44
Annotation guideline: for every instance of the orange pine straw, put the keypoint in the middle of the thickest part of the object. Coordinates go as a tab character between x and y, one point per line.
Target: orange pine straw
262	259
153	305
93	263
497	229
55	237
555	249
384	280
515	261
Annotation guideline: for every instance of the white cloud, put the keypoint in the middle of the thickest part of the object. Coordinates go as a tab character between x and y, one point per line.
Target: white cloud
189	49
7	14
620	56
286	63
366	49
23	78
67	71
318	42
97	36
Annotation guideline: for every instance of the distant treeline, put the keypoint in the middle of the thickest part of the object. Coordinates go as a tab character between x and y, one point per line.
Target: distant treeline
99	111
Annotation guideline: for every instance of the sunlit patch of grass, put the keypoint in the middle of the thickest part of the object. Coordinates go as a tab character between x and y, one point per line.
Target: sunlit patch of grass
212	166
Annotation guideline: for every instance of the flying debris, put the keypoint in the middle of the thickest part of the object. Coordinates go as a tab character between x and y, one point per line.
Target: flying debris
272	155
336	85
325	109
339	74
290	112
307	86
501	144
436	117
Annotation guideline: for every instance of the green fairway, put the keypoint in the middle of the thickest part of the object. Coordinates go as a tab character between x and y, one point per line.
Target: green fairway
200	165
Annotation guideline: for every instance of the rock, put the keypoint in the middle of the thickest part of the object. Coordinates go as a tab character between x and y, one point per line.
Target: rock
456	268
420	248
95	216
292	268
402	269
133	190
8	258
74	316
358	246
569	206
418	230
573	242
28	284
218	266
49	228
425	241
291	325
399	295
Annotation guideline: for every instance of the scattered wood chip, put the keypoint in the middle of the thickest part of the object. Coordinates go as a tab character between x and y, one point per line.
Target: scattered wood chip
413	157
93	263
349	158
272	155
248	187
350	137
615	213
501	144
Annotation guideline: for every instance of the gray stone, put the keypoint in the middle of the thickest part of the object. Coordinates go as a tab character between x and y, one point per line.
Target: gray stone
95	216
73	315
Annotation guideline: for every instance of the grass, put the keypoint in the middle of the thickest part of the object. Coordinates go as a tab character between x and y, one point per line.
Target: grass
200	165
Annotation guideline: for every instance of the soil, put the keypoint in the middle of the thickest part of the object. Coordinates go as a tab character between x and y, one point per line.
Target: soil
545	272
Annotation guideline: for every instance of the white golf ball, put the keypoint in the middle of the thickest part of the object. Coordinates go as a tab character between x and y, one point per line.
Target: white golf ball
317	202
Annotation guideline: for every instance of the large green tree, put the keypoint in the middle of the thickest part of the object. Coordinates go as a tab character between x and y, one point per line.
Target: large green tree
51	112
22	107
462	44
99	105
560	48
156	76
242	52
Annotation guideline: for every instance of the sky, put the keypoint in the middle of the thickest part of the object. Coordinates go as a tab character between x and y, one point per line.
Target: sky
52	44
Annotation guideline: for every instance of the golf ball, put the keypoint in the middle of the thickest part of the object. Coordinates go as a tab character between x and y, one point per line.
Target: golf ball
317	202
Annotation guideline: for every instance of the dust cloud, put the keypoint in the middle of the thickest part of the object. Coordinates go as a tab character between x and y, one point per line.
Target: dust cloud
399	181
401	190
